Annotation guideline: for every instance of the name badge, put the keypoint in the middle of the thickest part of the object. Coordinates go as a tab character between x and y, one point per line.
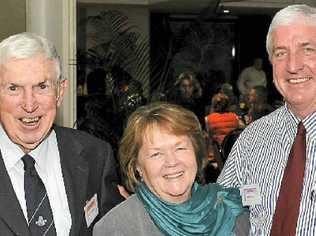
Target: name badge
91	209
250	195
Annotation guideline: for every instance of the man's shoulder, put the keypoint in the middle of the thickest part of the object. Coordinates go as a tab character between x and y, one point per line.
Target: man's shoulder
269	125
79	135
274	118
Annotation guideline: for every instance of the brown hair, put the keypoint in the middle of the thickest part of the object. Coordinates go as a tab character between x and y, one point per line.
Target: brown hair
220	103
176	119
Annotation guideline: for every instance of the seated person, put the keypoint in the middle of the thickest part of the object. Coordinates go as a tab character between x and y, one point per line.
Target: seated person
258	103
161	156
220	121
227	89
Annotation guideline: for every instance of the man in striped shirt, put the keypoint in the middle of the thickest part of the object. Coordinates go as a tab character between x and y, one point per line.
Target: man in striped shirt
257	161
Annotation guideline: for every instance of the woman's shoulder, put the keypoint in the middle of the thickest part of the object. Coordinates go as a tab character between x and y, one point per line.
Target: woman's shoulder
112	221
127	208
127	218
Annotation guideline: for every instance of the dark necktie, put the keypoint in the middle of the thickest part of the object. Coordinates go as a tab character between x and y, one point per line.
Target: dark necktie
40	217
288	203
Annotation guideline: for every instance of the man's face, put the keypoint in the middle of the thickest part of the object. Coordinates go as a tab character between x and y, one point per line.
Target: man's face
29	97
294	66
258	64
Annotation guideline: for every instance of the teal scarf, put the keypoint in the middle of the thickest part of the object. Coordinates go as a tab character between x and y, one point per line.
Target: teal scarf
211	210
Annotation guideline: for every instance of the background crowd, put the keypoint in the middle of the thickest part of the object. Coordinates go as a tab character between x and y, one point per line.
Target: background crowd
167	154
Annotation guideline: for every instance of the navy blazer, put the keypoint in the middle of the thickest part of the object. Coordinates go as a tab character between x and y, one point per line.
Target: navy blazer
88	167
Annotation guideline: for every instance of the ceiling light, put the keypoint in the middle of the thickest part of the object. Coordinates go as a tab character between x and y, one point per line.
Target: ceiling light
226	11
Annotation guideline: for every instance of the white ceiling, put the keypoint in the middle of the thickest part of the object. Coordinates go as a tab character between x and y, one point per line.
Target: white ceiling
237	7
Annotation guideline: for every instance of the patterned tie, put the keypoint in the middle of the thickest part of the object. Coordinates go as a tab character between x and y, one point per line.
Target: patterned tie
40	217
288	204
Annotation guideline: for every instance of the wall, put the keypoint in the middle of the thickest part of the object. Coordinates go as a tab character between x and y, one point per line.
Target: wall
56	20
12	17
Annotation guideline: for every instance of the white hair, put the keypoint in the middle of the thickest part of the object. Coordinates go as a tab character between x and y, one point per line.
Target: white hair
289	15
26	45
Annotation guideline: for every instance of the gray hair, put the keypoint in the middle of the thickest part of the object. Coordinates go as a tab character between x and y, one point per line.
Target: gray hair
288	15
26	45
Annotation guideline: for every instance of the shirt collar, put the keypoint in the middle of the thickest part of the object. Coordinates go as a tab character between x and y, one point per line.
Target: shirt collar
40	153
309	123
12	153
290	122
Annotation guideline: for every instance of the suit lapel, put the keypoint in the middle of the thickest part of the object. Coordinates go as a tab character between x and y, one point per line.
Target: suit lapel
75	171
10	209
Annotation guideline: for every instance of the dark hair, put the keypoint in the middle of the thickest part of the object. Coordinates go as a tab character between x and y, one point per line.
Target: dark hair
220	103
197	90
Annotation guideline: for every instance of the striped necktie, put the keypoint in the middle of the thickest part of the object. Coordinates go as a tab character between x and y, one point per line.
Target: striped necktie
39	212
288	203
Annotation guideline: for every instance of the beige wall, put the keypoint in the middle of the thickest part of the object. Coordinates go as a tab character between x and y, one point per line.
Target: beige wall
12	17
56	20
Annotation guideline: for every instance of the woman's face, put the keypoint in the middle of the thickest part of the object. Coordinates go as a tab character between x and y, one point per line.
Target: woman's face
186	88
167	164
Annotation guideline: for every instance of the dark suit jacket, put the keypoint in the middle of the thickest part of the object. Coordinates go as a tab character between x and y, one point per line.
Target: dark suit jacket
88	167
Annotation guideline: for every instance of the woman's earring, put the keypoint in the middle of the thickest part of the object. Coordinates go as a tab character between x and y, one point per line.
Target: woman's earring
140	174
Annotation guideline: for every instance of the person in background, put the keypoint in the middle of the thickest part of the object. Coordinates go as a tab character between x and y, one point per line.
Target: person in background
227	89
161	155
220	122
188	86
258	103
72	173
250	77
94	119
187	92
96	82
261	160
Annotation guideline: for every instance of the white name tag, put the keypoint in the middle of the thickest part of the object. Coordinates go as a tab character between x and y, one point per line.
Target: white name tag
91	210
250	195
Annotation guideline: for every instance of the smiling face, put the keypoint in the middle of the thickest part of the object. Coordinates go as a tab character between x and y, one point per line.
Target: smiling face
29	99
294	66
167	164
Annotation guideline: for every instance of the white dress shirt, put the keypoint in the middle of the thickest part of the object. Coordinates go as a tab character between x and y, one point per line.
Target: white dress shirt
47	164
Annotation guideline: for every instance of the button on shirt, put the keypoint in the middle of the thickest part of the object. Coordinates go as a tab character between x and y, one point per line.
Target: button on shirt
260	155
47	164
